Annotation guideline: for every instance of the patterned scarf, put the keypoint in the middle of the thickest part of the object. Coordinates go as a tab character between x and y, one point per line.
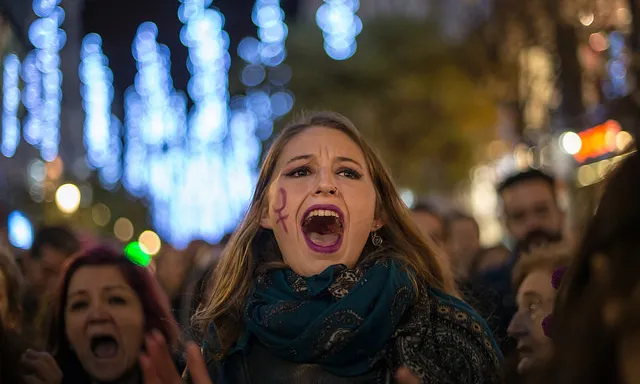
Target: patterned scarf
341	319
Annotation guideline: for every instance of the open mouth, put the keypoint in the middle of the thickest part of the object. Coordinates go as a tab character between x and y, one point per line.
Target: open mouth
104	346
323	227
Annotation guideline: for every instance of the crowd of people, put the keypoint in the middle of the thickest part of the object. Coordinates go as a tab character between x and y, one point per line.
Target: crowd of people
330	278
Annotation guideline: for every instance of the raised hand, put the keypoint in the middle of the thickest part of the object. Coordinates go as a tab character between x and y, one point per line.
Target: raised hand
40	368
158	367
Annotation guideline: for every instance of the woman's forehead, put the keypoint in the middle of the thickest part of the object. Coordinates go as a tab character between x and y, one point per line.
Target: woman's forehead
321	142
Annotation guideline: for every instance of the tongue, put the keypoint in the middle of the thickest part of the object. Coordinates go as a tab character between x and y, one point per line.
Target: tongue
105	349
325	240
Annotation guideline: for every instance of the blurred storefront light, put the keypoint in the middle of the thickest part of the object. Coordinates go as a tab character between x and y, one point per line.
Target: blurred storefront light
570	143
68	198
598	141
590	174
623	140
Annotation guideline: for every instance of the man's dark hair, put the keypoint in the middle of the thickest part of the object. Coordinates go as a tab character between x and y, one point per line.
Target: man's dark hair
528	175
60	238
429	209
458	216
225	239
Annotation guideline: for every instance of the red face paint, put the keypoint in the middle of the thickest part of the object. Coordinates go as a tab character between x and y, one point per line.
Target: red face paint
281	217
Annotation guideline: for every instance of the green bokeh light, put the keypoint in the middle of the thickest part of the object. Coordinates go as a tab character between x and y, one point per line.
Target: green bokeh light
137	254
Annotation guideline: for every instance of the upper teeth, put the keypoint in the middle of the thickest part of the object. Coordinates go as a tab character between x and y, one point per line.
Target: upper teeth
322	212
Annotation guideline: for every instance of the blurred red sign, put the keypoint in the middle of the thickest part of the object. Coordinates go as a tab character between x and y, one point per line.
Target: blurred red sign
598	141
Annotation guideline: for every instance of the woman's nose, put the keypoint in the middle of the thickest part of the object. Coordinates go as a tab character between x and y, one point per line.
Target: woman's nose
326	183
98	313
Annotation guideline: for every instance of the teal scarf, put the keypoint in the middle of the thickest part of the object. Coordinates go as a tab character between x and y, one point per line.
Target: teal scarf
342	318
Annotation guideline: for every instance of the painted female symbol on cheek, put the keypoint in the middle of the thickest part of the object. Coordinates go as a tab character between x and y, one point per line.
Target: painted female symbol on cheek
281	217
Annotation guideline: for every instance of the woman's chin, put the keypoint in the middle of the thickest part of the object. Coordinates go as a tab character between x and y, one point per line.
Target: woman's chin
108	371
317	263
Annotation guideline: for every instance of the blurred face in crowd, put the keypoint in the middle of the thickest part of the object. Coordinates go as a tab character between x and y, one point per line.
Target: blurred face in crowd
492	258
532	214
463	242
535	299
430	225
171	268
321	201
104	322
43	273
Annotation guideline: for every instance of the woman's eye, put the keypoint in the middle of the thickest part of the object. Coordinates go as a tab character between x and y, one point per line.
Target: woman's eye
350	174
299	172
117	300
78	305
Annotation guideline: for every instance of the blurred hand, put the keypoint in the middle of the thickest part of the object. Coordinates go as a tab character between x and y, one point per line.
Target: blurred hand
158	367
404	376
40	368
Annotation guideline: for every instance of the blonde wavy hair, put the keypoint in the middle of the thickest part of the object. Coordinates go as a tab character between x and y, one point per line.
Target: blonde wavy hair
252	247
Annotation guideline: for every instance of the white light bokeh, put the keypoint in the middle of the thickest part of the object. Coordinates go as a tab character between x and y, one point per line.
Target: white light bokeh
570	143
68	198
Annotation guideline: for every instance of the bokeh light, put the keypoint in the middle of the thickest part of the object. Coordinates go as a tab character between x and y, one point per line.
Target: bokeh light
408	197
10	105
101	214
20	230
623	140
340	26
137	254
68	198
123	229
570	143
151	242
101	128
42	95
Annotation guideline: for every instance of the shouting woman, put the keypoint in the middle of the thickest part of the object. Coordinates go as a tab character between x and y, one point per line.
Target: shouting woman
327	280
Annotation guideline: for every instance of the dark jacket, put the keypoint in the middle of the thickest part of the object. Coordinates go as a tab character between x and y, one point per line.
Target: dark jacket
12	346
454	350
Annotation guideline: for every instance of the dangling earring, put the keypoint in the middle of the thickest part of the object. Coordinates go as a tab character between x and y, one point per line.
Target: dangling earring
376	239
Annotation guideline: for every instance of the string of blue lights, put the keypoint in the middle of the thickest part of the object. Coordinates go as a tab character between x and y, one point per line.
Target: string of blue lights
102	130
196	168
41	73
155	124
10	105
340	26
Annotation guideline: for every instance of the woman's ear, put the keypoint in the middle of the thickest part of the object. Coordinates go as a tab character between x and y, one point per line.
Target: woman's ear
265	217
377	224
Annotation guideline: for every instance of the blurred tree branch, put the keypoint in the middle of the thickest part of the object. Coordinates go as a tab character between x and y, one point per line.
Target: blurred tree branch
407	93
